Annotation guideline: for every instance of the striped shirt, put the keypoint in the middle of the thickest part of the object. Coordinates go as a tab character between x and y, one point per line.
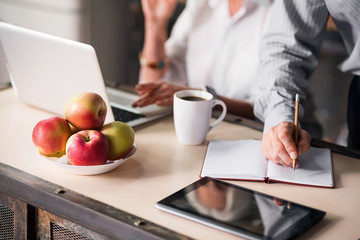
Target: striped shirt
290	48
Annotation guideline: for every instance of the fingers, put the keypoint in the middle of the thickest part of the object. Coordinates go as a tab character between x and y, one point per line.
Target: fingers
165	98
160	93
146	87
144	101
165	102
268	148
285	135
146	90
275	144
158	100
303	144
278	145
304	141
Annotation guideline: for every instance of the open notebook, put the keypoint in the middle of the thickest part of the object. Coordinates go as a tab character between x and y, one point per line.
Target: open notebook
243	160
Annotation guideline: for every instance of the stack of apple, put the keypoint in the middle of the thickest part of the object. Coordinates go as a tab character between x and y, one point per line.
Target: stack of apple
82	135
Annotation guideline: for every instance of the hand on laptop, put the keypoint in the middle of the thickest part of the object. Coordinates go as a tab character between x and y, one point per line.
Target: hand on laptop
161	93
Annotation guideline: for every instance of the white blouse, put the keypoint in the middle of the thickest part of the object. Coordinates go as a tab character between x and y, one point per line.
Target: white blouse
209	47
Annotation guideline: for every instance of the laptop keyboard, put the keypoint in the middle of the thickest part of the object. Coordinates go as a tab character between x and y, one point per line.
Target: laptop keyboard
124	115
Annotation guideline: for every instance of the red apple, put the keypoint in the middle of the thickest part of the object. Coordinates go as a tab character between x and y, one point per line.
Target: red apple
86	110
87	147
50	135
121	138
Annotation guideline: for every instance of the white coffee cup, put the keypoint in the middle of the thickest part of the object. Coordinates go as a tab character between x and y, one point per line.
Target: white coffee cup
192	115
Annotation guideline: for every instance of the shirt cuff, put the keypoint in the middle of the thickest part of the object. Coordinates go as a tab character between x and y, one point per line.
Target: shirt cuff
278	116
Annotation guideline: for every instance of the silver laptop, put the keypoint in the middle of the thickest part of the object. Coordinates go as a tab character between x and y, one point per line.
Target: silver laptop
46	71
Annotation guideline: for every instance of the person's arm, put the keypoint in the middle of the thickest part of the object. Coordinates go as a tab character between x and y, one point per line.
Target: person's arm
161	93
157	14
289	54
238	107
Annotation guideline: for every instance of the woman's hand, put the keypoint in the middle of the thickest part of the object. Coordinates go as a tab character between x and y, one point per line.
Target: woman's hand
161	93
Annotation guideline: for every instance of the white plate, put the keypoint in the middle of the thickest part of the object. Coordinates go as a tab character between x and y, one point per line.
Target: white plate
64	164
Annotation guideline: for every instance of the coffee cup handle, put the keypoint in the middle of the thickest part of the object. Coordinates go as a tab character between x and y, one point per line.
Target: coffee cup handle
222	116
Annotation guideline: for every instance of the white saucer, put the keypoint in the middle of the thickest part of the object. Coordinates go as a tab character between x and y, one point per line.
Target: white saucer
64	164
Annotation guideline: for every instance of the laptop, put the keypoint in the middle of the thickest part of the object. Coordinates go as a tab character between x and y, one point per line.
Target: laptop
46	71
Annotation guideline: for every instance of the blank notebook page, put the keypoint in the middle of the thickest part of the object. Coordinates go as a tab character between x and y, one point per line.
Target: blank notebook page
229	158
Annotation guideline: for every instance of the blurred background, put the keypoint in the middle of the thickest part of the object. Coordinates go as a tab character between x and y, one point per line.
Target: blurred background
115	29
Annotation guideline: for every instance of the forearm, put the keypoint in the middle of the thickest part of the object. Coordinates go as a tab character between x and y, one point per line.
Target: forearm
154	50
238	107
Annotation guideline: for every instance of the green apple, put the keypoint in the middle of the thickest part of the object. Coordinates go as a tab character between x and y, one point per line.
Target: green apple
86	110
50	136
87	147
121	137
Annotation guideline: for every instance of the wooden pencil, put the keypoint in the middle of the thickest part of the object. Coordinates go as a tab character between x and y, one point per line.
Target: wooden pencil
296	124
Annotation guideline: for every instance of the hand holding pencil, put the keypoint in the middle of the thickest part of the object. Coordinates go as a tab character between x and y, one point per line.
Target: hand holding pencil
284	142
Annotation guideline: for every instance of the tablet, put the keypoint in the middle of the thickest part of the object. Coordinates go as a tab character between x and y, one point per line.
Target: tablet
240	211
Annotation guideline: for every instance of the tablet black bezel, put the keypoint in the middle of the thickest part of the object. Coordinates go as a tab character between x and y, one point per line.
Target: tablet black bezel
167	205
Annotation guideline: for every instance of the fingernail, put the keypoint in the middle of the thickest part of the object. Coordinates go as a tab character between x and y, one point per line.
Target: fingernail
293	155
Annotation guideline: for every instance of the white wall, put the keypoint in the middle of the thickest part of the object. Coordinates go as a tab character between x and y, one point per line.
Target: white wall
66	18
101	23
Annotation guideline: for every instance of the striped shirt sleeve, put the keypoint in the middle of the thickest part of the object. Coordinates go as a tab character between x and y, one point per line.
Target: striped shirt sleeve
288	55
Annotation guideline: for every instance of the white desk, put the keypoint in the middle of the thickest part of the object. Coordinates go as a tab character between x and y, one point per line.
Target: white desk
162	166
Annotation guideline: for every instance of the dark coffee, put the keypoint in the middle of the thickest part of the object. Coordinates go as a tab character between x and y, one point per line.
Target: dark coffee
193	98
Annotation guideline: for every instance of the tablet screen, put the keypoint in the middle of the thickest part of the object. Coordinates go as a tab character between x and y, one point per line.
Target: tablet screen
240	211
